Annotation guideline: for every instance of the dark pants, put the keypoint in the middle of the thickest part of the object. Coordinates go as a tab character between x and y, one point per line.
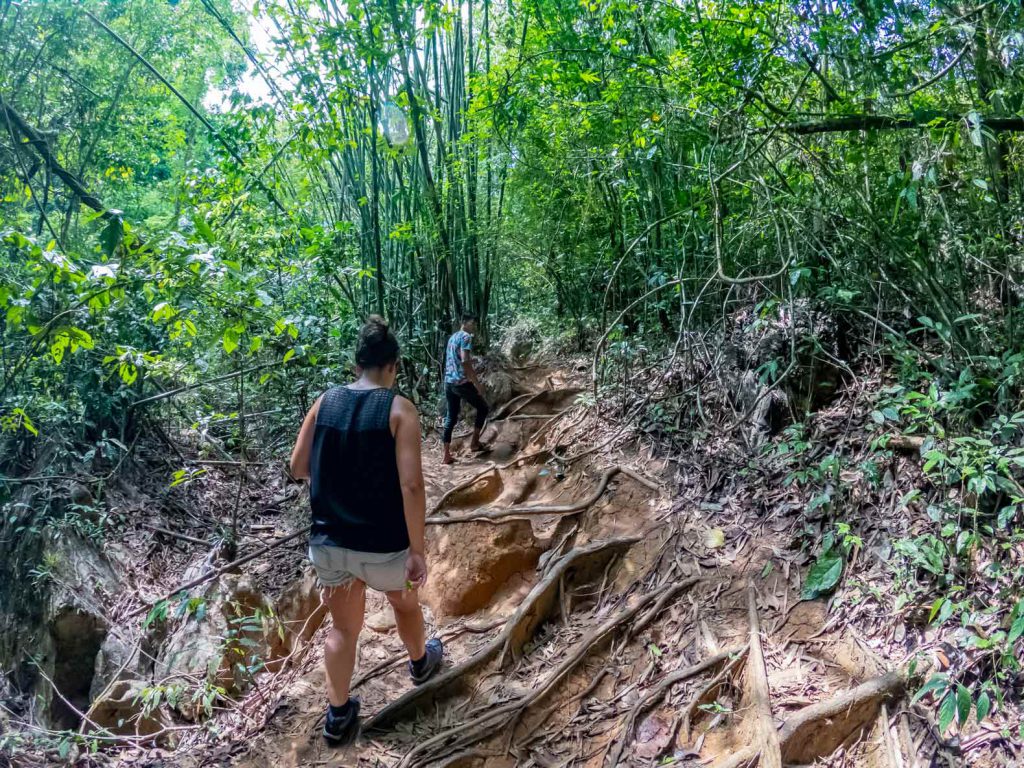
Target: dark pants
454	394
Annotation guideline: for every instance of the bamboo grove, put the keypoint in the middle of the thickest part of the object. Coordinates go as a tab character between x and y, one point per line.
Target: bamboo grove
624	173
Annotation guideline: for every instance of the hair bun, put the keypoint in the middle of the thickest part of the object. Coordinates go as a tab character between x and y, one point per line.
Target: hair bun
378	323
376	345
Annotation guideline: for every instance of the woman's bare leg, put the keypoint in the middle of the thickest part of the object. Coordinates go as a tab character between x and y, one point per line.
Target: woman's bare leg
409	621
347	605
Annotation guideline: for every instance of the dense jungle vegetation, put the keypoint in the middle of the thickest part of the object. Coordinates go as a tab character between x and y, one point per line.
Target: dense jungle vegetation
206	197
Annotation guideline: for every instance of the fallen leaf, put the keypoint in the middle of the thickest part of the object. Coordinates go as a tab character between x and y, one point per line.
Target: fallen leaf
652	736
714	538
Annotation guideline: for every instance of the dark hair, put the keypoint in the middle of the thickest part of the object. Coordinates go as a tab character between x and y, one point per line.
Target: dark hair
467	316
377	345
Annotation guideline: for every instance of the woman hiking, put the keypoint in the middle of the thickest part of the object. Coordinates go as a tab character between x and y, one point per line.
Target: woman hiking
359	446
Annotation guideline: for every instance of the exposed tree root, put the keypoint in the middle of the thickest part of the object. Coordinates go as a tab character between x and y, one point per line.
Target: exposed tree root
543	596
532	509
466	734
710	692
517	631
657	693
516	403
489	476
821	728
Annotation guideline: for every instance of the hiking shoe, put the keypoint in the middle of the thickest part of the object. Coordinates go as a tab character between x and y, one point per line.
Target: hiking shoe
429	664
342	731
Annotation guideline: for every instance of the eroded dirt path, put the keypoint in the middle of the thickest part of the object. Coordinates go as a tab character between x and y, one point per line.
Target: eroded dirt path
588	621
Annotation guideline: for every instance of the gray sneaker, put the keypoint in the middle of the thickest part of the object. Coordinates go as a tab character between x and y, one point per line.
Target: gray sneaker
422	672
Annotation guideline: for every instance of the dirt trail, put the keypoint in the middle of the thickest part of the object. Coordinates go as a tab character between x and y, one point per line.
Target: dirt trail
587	621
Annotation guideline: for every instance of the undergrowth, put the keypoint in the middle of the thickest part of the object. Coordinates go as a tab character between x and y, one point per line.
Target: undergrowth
956	567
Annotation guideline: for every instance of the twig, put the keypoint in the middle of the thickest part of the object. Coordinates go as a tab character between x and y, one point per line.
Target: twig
175	535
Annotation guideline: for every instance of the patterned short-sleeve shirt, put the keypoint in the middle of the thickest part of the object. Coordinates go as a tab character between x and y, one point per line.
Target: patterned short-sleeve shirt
454	373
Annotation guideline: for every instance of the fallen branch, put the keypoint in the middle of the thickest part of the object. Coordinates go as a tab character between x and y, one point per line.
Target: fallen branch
175	535
189	387
760	697
887	123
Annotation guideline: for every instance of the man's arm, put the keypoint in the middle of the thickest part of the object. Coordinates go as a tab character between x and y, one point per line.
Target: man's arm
469	368
304	444
410	472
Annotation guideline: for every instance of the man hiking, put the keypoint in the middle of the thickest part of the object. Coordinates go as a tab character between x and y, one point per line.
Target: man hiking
461	383
359	446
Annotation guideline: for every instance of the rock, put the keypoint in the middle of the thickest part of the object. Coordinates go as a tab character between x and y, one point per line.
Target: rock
75	638
381	621
123	712
300	612
224	640
471	562
500	387
115	660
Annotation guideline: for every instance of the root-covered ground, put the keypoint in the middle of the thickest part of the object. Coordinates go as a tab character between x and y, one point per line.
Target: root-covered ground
591	617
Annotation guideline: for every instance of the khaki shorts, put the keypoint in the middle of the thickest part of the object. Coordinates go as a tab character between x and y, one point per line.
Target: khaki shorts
336	567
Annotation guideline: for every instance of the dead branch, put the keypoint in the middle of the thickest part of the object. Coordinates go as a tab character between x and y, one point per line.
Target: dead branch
175	535
760	696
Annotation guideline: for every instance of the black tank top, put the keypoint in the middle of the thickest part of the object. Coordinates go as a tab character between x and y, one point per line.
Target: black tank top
354	489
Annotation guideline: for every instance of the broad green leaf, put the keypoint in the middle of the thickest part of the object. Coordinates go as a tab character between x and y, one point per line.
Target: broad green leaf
939	682
823	576
947	711
983	706
963	704
203	228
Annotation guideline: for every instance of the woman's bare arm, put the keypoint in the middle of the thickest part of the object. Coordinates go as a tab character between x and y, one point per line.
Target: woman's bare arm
410	470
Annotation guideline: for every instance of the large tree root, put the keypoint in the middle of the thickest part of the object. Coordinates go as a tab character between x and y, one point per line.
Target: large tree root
587	562
465	735
487	479
509	642
532	509
819	729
